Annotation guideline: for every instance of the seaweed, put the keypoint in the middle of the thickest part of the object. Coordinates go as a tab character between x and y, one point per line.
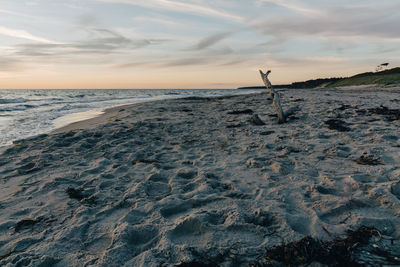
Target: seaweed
339	252
339	125
238	112
368	160
78	195
345	251
24	224
389	114
75	194
234	125
267	133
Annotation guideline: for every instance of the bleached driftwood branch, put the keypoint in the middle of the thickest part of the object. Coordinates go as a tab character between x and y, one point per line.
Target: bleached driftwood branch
276	97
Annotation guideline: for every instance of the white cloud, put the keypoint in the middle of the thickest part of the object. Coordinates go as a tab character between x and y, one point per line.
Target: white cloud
294	7
14	13
23	35
184	7
328	59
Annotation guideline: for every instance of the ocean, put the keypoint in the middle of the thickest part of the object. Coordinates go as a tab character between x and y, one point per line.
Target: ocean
26	113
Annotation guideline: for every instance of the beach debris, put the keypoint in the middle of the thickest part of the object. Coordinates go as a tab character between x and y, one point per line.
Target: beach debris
390	114
78	195
238	112
267	133
366	159
75	194
339	252
344	107
234	125
276	97
290	112
339	125
255	119
24	224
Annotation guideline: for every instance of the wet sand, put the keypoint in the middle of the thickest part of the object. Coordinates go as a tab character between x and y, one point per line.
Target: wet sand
174	181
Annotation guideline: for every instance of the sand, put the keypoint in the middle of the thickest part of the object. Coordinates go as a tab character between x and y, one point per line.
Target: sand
173	181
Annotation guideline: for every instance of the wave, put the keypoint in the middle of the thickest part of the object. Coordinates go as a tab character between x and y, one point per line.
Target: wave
12	100
17	108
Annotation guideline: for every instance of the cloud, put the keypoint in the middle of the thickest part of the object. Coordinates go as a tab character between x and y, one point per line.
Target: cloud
8	12
177	6
328	59
294	7
87	20
22	34
211	40
9	64
103	41
195	61
163	63
233	62
186	62
369	22
157	21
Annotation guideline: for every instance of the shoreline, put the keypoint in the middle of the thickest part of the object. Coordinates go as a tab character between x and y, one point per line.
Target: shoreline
77	115
188	180
108	113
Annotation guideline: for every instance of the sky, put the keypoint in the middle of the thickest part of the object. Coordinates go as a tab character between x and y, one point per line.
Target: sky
55	44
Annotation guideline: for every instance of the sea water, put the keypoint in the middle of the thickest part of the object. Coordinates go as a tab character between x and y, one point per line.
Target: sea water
26	113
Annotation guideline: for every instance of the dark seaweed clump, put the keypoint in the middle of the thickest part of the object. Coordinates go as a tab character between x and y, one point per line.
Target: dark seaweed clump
24	224
389	114
339	125
75	194
80	196
368	160
339	252
238	112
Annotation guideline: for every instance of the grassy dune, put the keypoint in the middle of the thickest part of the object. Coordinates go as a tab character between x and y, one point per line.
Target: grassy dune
388	77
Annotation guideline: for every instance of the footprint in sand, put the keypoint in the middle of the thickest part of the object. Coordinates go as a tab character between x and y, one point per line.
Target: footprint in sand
189	231
130	242
135	217
261	218
216	217
186	174
136	236
157	190
99	244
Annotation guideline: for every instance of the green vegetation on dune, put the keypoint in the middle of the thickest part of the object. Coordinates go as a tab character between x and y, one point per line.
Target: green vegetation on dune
387	77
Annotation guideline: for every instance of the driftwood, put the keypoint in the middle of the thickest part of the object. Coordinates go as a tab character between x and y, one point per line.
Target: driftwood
275	96
256	120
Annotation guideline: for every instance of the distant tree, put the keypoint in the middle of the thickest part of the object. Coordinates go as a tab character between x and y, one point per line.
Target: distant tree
381	66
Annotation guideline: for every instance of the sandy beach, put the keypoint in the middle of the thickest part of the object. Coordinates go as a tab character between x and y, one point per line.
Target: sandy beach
173	182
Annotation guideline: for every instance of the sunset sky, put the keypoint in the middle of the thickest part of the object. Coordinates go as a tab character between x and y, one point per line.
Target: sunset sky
192	43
